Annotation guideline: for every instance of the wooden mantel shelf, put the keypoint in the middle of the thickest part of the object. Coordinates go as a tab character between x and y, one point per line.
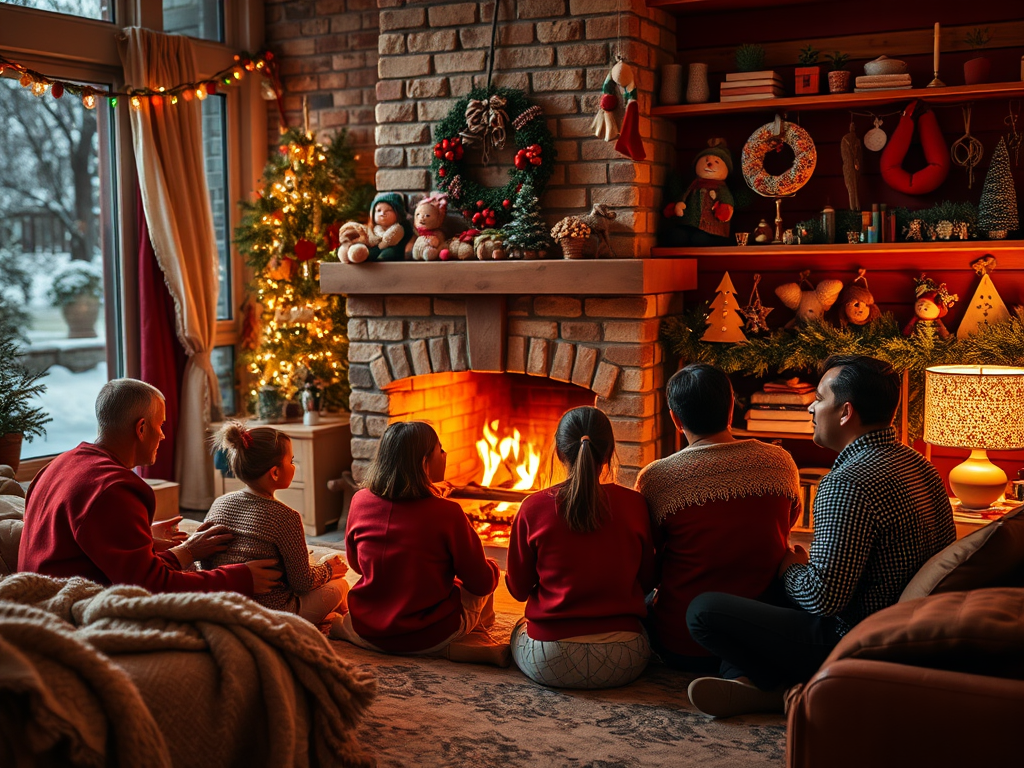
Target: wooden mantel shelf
584	277
1013	90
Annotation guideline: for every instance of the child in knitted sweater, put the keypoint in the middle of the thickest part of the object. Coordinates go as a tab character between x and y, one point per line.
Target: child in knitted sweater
265	528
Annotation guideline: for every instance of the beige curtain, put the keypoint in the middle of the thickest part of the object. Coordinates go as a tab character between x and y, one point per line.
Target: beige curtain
168	142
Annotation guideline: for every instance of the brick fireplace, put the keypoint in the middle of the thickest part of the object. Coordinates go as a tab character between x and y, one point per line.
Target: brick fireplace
462	344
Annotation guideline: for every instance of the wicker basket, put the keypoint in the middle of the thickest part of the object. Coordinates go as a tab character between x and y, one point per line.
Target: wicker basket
572	247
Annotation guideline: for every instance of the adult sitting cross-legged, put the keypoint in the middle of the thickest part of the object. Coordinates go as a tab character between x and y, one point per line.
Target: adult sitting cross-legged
87	514
721	510
880	513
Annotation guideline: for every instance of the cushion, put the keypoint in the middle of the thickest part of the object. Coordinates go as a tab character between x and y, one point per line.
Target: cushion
992	556
12	509
979	632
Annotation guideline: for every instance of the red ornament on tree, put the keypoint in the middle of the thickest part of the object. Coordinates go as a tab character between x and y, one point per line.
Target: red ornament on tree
305	250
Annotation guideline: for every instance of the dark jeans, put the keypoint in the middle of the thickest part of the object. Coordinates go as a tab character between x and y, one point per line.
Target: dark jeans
770	644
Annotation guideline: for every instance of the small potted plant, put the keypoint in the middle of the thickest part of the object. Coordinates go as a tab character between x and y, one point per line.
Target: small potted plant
77	291
18	418
750	58
808	74
976	70
838	78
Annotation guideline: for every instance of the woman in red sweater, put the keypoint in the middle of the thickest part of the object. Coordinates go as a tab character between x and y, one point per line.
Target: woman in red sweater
581	556
426	586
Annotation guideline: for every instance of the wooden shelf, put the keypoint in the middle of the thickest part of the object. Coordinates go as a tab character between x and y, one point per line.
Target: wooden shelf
685	7
885	257
845	100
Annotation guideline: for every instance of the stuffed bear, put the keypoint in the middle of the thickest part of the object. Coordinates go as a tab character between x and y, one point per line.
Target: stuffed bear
390	230
429	216
461	246
702	216
354	239
490	244
857	302
810	304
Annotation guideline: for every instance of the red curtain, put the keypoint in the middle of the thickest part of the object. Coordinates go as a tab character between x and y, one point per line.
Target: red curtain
162	357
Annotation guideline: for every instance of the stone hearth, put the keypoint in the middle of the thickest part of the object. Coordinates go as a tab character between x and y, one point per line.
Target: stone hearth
446	337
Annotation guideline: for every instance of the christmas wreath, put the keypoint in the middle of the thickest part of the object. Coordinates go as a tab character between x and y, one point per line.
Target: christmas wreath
489	117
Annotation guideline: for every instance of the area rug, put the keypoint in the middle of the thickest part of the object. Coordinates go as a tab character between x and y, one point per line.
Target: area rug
432	712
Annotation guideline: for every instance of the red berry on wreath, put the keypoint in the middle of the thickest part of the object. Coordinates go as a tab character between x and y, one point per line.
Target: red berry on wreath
441	172
479	203
506	203
491	221
449	155
535	148
444	143
536	160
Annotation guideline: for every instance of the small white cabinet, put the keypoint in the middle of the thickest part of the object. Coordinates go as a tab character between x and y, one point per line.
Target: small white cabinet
322	453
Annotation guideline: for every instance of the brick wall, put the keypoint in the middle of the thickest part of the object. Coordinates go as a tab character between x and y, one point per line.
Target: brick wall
328	52
558	52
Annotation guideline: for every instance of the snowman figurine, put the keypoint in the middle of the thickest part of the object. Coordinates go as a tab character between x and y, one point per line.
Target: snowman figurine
702	217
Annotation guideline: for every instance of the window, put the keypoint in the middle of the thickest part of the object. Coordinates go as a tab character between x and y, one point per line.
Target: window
89	9
223	361
215	152
55	198
195	18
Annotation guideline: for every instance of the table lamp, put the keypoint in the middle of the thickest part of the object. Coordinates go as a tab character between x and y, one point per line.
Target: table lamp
980	407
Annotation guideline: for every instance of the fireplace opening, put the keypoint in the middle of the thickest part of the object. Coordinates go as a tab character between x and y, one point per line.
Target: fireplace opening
498	430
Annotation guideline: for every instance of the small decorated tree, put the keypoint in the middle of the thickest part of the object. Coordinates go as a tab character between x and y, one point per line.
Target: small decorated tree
293	333
725	323
527	234
997	209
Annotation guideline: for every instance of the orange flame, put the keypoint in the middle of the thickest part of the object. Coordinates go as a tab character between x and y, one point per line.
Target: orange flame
520	458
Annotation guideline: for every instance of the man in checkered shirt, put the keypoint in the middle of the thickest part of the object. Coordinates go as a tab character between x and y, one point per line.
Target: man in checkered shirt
880	513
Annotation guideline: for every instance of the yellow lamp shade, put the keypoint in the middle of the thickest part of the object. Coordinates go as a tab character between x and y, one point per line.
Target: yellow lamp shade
974	406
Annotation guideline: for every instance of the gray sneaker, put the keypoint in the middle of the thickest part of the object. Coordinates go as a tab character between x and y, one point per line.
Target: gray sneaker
725	698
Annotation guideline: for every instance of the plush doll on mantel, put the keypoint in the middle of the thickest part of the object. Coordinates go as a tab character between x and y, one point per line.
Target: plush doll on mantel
384	239
702	216
932	303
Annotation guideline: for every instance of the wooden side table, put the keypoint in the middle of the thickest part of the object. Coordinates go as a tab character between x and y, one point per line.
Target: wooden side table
322	453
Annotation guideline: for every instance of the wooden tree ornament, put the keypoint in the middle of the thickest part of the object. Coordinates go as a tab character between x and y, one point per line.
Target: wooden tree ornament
986	306
725	324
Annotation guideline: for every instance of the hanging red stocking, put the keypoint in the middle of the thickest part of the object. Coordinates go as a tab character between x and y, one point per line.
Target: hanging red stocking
629	142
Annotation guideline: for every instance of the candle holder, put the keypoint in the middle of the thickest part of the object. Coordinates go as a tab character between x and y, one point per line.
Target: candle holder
936	83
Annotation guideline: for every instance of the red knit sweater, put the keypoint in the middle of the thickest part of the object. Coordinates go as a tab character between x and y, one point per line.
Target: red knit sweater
409	554
581	583
87	515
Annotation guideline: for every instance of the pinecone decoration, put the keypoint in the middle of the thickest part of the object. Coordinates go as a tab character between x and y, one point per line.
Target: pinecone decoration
455	188
944	230
914	233
960	230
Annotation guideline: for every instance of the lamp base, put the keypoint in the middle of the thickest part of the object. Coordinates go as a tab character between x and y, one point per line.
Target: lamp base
977	482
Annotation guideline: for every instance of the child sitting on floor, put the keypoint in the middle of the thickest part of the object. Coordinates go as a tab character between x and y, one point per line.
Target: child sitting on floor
265	528
582	557
426	587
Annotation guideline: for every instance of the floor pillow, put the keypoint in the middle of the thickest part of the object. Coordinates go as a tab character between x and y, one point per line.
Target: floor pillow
992	556
935	153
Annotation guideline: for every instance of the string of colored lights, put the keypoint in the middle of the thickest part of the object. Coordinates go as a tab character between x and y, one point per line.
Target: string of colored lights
262	63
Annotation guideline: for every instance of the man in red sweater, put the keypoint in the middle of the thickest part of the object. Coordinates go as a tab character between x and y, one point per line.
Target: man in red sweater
87	514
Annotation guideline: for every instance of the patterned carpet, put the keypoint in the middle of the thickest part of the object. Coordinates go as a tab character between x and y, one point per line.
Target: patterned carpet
432	712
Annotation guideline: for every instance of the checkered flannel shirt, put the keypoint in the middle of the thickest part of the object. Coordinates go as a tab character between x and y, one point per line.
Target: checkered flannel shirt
880	513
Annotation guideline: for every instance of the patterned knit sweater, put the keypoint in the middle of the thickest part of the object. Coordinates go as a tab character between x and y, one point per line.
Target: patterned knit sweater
265	529
719	471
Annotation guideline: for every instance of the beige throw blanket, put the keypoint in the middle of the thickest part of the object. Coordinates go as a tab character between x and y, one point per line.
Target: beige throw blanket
123	677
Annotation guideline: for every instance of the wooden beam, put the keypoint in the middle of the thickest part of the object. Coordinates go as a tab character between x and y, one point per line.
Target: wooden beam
584	277
486	333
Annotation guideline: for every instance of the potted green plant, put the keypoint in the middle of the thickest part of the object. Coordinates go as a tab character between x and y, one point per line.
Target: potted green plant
750	57
77	290
976	70
838	78
808	74
18	419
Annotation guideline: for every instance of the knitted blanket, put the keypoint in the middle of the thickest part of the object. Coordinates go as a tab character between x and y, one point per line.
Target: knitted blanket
703	473
117	676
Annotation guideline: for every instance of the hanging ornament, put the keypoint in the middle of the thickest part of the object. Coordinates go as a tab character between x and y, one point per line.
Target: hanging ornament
755	312
305	250
853	162
986	306
967	150
724	321
857	302
1013	136
875	138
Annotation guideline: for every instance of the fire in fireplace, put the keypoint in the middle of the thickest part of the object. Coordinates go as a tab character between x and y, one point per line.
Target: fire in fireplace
498	430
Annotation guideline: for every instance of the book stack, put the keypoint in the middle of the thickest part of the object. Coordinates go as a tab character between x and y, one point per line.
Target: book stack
867	83
782	407
752	86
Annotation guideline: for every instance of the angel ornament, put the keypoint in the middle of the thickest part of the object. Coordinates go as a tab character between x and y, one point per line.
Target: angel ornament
853	161
604	125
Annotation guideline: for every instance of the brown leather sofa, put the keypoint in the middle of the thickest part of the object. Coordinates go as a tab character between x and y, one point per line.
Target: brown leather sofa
932	681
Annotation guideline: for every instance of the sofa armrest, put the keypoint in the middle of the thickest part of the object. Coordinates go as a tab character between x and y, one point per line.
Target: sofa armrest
856	713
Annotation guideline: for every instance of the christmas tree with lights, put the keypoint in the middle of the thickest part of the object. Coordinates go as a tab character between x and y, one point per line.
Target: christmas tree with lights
293	334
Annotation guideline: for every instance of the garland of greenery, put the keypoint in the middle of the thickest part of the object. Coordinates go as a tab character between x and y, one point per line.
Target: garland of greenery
529	132
802	349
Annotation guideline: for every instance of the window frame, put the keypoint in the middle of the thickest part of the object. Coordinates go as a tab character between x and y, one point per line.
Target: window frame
78	48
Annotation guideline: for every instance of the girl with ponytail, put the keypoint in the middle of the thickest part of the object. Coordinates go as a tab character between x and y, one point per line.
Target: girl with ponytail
581	556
